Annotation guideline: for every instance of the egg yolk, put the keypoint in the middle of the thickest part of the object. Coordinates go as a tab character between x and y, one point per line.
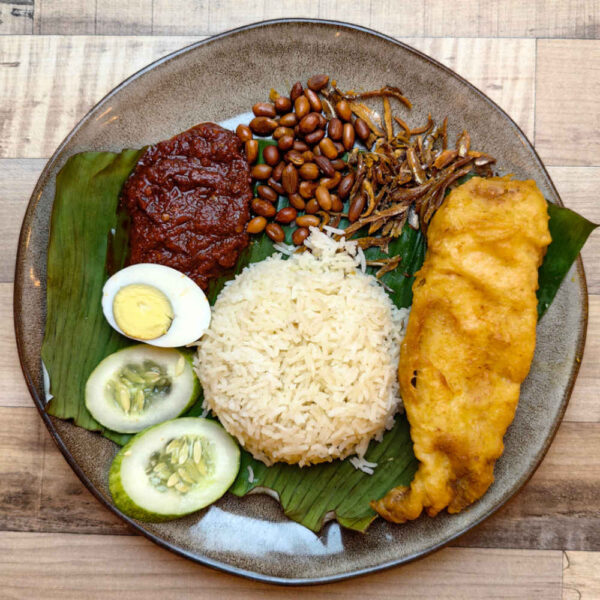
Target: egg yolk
142	311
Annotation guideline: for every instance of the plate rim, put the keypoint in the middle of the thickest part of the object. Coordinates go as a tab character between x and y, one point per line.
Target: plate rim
206	561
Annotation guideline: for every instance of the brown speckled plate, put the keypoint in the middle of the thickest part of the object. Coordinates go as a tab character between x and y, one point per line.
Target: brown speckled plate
218	79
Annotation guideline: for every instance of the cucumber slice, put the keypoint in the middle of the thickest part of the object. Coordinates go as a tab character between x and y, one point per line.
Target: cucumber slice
140	386
173	469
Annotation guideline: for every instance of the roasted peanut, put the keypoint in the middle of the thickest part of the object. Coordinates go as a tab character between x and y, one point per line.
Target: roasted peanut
261	171
289	179
356	207
300	235
285	142
312	207
296	91
309	171
328	148
307	189
263	125
309	123
314	100
288	120
301	106
286	215
348	136
318	82
264	109
297	201
315	137
345	185
263	208
342	108
334	129
251	149
325	165
283	105
275	232
294	157
277	171
362	130
336	204
271	155
243	132
256	225
308	221
323	197
267	193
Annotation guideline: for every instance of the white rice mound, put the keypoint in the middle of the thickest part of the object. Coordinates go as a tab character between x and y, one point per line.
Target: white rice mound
300	360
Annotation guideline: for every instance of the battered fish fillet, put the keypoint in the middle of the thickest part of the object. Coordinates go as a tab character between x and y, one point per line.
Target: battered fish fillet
469	341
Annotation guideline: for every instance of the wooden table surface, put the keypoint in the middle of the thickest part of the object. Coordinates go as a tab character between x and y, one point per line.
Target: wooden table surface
540	60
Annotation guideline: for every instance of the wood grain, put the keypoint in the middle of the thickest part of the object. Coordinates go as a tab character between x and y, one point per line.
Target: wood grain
65	17
17	180
68	566
21	465
114	17
15	392
16	17
501	68
56	80
567	112
435	18
581	576
483	18
578	187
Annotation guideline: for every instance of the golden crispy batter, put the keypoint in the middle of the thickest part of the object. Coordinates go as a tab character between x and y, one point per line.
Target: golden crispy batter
469	341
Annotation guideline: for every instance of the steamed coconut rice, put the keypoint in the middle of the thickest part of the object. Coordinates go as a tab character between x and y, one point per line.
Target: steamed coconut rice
299	362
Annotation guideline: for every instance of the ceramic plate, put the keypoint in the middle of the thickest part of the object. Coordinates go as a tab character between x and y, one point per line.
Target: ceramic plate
217	80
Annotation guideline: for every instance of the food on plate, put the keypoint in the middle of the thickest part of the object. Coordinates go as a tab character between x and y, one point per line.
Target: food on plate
393	175
142	311
140	386
469	341
299	363
189	203
173	469
155	304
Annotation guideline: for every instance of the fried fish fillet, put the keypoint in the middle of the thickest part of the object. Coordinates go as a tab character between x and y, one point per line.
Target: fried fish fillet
469	341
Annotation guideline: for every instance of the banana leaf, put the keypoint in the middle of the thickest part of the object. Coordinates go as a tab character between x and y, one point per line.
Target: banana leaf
569	232
88	242
77	336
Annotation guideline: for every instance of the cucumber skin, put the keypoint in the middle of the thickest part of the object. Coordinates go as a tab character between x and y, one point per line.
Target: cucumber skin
196	390
125	504
189	357
122	501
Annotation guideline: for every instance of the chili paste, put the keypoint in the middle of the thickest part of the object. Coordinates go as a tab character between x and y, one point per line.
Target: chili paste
189	202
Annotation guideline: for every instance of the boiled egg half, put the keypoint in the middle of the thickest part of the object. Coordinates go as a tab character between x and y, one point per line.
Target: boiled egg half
155	304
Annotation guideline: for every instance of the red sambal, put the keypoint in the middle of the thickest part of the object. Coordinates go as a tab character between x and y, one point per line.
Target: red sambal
189	203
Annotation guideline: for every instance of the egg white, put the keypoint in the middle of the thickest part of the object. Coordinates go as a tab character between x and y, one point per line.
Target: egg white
191	311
